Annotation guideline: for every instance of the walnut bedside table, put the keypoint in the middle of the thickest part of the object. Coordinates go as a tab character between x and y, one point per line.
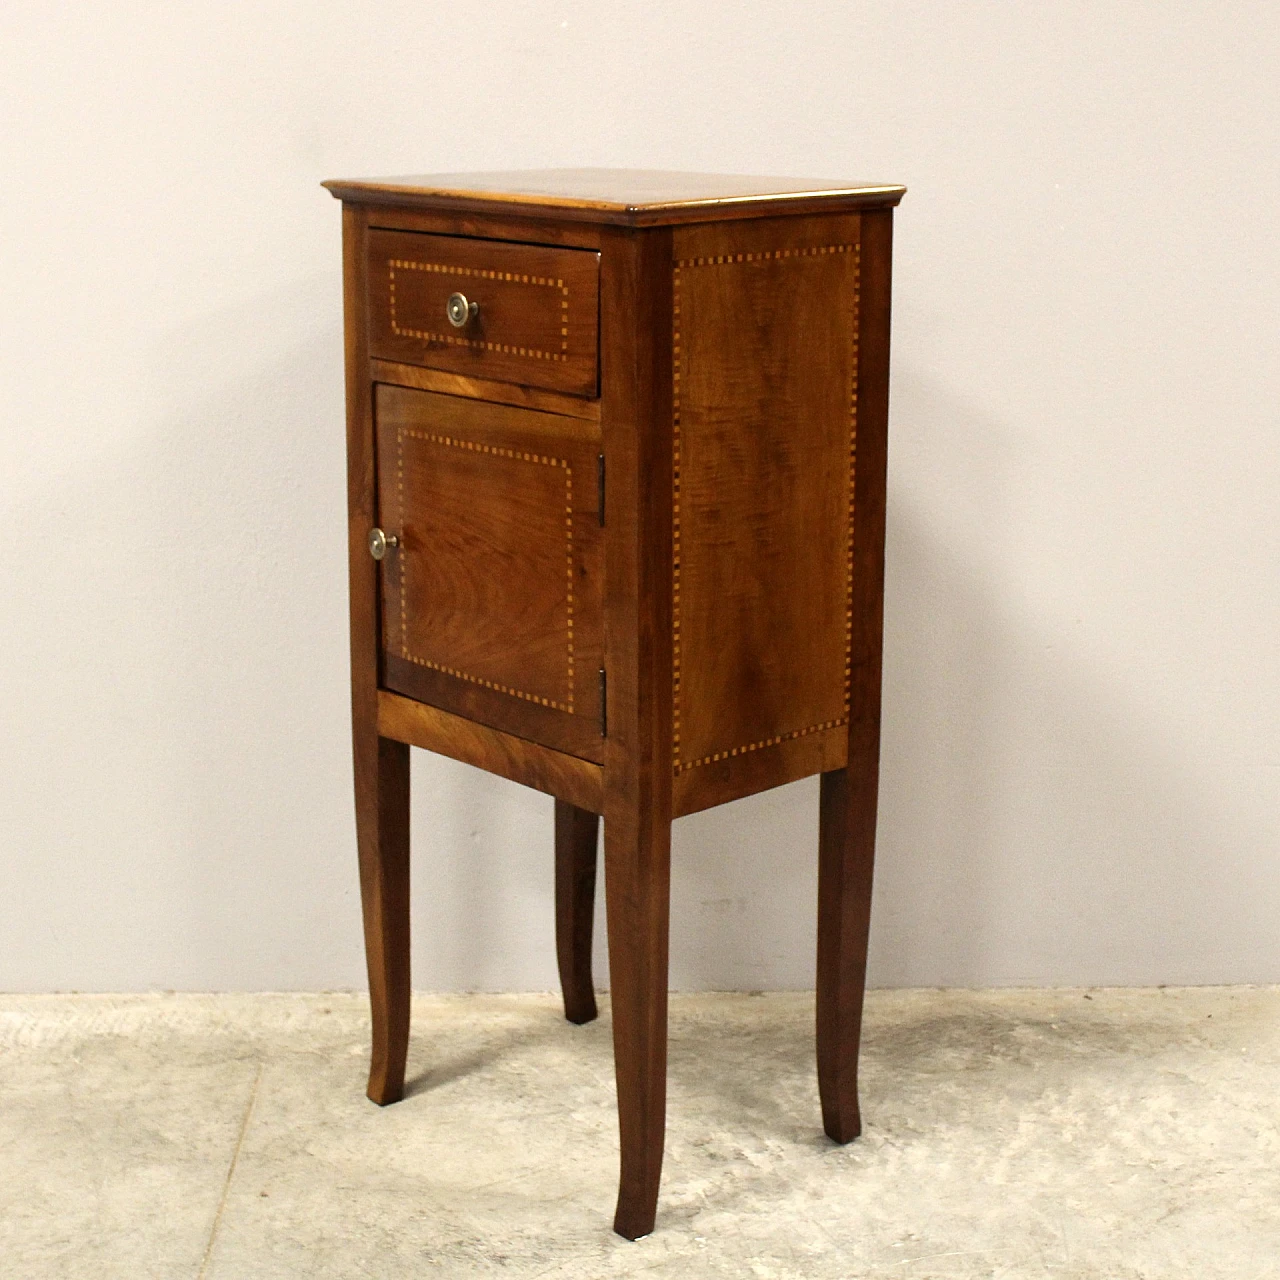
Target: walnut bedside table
616	447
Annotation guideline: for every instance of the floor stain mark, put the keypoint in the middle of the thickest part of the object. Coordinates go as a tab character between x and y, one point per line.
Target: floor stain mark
231	1168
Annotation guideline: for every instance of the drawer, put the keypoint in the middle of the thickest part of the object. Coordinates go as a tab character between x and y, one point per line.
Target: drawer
533	316
492	598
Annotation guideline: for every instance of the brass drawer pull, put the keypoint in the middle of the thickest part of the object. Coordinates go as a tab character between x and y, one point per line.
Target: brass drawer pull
379	542
459	310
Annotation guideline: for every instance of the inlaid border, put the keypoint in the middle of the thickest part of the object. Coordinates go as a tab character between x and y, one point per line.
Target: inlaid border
510	277
733	259
519	455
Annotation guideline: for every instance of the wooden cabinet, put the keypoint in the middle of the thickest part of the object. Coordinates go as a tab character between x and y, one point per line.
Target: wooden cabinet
617	449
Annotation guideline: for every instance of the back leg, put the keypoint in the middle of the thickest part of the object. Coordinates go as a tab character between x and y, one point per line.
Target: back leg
576	834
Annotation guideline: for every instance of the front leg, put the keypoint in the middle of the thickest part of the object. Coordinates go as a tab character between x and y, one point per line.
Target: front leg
847	823
382	831
637	878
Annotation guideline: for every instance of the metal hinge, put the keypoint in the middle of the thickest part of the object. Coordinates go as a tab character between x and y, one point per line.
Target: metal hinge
604	703
600	487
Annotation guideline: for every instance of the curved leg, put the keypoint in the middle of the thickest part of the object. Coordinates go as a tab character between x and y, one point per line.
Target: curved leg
381	766
847	823
576	834
637	870
846	844
382	830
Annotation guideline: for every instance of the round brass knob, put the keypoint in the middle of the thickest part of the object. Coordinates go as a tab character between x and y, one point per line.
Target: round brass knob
379	542
459	310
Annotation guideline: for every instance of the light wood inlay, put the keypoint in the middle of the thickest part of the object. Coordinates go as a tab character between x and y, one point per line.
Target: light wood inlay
536	322
682	266
454	340
495	589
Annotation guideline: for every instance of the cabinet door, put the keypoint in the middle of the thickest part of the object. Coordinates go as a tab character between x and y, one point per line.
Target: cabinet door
492	597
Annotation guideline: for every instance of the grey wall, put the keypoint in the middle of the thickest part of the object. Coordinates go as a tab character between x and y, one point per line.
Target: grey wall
1081	761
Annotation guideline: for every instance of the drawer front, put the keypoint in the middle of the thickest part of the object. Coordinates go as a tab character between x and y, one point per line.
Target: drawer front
492	603
536	316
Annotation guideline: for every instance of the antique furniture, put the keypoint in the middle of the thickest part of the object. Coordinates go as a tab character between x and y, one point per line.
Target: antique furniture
616	450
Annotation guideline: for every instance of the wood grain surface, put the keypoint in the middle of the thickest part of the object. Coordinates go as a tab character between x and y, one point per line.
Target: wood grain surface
847	812
628	197
492	602
381	765
577	837
554	772
458	384
764	335
537	317
636	418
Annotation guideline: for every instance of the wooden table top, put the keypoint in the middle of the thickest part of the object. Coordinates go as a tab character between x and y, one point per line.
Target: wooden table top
630	197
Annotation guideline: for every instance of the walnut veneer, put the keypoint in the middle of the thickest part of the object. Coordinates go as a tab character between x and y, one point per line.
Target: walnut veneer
634	507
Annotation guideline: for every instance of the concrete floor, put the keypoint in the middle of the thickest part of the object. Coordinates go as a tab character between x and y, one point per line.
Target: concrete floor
1109	1134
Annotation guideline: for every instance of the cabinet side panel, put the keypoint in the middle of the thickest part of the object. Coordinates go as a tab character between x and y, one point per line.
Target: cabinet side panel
764	341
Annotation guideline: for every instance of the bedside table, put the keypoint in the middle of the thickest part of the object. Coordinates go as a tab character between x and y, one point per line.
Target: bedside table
616	446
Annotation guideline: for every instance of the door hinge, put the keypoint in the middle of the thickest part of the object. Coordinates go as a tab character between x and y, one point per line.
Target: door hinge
604	703
600	487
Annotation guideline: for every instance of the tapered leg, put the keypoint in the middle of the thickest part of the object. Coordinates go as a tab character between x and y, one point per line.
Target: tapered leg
382	830
846	840
381	766
576	834
847	823
636	301
637	893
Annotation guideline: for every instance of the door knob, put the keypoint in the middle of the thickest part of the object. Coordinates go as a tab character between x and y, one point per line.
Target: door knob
379	542
459	310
